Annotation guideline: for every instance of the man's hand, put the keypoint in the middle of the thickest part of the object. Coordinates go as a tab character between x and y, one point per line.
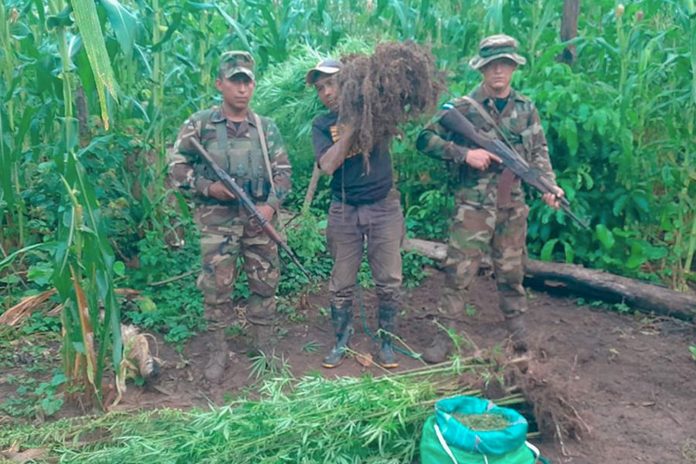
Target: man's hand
480	159
266	211
552	199
337	153
218	191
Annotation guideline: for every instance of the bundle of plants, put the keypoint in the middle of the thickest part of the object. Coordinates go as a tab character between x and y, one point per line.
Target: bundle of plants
283	94
395	84
313	419
482	422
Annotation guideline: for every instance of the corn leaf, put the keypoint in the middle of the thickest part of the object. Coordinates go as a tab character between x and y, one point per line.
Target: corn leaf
124	23
87	20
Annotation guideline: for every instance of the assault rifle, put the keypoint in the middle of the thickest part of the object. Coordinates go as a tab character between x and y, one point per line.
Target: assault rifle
457	123
230	183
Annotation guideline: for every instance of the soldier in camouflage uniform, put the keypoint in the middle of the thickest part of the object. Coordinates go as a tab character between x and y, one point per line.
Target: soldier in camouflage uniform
235	137
491	210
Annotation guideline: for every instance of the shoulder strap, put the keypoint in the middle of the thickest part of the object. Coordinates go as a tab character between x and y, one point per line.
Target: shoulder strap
487	117
221	133
264	149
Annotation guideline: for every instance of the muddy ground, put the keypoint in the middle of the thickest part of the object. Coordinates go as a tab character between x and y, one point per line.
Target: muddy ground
626	382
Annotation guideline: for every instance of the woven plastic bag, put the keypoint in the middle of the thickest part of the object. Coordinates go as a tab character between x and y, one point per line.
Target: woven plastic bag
447	440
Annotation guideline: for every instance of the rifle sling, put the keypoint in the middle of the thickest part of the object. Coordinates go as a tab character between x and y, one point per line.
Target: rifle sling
507	179
221	134
264	149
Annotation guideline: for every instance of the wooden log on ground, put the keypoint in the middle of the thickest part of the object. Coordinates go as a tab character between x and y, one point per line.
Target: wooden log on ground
613	288
588	282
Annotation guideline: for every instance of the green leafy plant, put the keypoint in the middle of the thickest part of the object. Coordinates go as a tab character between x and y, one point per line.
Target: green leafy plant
314	419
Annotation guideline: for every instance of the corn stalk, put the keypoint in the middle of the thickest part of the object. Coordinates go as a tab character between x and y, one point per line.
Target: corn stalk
84	260
11	204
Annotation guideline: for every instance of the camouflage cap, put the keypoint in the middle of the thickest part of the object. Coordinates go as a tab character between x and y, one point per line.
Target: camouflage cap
328	66
495	47
237	62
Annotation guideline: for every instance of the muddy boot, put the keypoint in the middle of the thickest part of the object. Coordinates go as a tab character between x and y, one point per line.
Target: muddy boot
518	333
440	349
262	339
341	318
261	314
217	358
386	356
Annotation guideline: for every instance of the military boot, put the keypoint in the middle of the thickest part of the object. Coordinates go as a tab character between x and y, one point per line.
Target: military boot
518	333
217	358
386	356
439	350
341	319
262	339
261	314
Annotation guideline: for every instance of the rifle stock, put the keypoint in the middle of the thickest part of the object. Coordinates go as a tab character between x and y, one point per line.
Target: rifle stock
239	192
457	123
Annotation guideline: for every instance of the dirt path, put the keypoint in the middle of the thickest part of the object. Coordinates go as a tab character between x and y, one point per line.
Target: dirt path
630	379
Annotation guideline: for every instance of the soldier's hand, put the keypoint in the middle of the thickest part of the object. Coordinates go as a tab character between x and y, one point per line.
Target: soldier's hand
553	199
266	211
218	191
481	159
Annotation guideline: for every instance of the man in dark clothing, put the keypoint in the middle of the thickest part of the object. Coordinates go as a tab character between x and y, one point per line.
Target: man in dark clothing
365	207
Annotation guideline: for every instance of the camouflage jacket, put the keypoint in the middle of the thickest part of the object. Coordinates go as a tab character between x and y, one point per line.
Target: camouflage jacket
242	158
520	122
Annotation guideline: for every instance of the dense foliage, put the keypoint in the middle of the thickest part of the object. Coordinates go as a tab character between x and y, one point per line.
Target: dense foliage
83	195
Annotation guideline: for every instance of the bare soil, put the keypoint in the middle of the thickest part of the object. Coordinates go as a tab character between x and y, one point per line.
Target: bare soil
620	387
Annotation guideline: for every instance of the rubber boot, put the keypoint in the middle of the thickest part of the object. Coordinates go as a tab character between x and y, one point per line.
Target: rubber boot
386	356
439	350
217	358
341	319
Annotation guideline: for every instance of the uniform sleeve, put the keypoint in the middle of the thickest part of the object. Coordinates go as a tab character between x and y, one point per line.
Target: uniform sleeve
182	160
281	170
435	141
539	149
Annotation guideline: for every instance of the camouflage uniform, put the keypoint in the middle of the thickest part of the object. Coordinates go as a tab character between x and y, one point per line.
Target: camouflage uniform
225	227
491	214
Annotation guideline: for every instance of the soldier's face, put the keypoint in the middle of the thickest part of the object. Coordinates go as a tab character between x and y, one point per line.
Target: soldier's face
327	91
497	75
236	91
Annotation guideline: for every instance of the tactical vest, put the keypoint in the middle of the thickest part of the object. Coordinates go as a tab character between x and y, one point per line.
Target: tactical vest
241	156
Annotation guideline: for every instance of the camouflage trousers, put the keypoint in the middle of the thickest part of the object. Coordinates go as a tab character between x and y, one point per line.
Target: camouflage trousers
381	226
227	233
476	231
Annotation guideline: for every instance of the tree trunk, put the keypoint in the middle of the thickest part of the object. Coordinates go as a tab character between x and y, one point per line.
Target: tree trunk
612	288
569	30
588	282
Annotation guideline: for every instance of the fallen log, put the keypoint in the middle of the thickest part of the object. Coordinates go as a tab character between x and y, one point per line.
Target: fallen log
588	282
612	288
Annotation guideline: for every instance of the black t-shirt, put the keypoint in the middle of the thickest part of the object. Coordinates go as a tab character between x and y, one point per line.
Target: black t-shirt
353	182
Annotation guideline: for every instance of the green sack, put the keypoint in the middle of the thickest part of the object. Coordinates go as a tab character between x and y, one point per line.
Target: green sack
446	440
